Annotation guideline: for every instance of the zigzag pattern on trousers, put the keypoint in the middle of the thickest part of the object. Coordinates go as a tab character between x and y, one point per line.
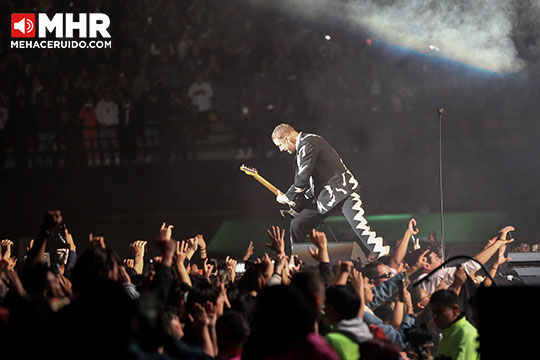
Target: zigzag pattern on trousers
377	242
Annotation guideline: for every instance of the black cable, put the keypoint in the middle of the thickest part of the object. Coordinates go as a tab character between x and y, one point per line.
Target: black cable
450	260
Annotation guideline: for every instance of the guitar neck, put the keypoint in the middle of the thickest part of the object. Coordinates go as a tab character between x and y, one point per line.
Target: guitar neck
266	184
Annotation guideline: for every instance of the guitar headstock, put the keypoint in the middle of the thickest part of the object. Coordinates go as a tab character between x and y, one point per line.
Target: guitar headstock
249	170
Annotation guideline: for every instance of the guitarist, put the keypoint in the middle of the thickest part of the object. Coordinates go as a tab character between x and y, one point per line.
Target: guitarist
322	183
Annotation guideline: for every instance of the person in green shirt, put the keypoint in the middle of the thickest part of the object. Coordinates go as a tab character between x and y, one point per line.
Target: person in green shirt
342	307
460	337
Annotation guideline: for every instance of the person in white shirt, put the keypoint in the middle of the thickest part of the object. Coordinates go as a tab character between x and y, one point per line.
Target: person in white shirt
444	277
200	94
107	118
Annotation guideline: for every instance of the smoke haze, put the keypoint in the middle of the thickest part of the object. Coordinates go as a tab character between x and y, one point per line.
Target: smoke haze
480	33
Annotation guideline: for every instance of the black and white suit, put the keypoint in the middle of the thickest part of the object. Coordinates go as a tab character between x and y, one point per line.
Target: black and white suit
321	175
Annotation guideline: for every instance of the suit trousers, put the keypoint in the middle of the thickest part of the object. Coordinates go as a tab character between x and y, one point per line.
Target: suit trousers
309	218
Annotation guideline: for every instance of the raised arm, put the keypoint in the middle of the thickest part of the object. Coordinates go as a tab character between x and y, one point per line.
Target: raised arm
249	251
163	277
181	250
138	248
401	248
277	237
501	239
50	223
501	259
320	254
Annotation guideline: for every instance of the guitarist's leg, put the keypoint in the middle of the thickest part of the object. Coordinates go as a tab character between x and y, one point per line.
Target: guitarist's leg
353	211
301	226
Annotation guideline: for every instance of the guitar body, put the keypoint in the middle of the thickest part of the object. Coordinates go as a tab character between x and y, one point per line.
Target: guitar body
293	209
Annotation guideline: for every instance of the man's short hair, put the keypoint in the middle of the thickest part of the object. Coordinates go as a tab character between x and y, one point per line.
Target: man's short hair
412	257
447	298
345	300
281	131
371	270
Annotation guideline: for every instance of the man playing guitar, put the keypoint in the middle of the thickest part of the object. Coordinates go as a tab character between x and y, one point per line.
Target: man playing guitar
322	183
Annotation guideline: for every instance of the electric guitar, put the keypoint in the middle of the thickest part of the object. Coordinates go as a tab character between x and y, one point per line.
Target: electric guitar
293	209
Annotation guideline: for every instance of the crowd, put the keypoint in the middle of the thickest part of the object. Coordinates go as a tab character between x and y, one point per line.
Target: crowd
178	69
182	304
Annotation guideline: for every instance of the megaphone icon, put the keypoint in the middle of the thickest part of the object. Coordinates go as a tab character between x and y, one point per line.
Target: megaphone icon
24	26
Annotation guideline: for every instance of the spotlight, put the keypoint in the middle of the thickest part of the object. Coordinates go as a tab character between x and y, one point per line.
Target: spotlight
328	37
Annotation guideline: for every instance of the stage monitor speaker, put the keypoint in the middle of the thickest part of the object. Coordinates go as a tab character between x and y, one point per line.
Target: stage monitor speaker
337	251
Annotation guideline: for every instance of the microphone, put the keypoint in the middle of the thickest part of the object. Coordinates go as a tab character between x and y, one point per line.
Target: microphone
440	110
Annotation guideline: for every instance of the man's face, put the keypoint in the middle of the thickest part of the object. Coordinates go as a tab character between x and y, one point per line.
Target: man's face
368	293
424	298
434	259
444	316
284	144
383	274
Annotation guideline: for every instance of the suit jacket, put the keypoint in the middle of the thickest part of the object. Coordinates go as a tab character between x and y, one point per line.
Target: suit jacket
320	174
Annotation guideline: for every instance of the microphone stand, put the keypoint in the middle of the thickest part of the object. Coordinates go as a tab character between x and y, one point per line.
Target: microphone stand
440	112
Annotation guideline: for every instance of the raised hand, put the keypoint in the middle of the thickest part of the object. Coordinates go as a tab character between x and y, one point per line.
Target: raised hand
342	275
293	260
277	238
280	263
412	227
249	251
65	284
407	300
346	267
138	248
420	263
231	267
459	279
357	281
182	248
320	254
181	254
202	245
501	259
165	232
165	244
14	280
5	246
193	245
198	317
129	263
207	269
69	240
124	276
318	238
503	234
30	245
12	261
211	313
268	266
97	241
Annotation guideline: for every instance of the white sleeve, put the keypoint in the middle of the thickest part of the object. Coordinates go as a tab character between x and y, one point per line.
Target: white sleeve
471	266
